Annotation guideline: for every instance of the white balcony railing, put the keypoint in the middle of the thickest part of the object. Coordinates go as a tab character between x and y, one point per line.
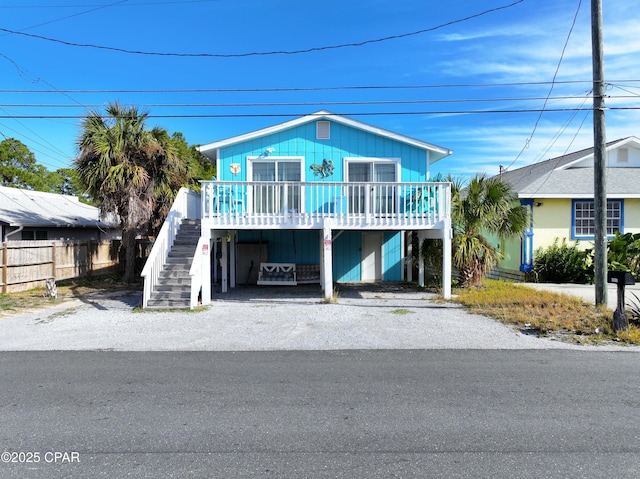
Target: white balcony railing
308	204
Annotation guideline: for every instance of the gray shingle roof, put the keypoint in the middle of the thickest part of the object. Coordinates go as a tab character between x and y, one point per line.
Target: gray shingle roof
556	178
20	207
578	182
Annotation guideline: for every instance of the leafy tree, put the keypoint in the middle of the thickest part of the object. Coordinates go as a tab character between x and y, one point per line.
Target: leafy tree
196	166
484	205
193	166
19	169
127	168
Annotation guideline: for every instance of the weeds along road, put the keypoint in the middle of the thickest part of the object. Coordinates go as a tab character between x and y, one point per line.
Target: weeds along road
314	414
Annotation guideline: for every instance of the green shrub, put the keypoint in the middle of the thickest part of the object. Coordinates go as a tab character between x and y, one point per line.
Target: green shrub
562	263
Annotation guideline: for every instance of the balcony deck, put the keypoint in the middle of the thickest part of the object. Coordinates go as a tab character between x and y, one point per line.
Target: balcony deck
312	205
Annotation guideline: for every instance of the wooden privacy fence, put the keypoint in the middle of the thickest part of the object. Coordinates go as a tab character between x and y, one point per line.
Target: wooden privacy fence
28	264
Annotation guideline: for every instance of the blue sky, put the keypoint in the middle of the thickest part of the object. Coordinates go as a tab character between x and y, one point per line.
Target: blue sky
461	84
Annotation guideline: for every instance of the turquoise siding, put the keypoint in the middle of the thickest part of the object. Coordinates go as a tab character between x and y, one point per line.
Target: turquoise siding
392	250
347	253
345	142
287	246
303	247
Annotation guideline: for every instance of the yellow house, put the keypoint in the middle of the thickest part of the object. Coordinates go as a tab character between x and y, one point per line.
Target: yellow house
559	195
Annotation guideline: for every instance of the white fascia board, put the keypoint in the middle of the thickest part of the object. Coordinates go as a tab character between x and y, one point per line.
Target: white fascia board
208	149
576	196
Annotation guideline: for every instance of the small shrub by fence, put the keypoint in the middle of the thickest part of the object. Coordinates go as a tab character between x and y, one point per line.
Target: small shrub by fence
28	264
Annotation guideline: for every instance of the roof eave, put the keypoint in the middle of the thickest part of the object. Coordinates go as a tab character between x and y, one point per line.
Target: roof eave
211	150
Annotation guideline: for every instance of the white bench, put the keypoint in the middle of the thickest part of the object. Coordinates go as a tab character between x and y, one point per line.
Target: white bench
278	274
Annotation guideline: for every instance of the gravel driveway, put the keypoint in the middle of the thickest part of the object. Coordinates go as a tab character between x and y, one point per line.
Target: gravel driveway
385	316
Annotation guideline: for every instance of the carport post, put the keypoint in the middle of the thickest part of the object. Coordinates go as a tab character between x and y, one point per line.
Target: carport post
327	261
447	236
205	264
421	238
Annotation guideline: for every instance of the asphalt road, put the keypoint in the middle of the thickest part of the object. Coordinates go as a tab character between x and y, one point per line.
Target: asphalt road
314	414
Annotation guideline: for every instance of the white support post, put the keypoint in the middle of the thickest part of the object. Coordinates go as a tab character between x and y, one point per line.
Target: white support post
232	260
225	265
421	281
327	262
206	267
447	236
214	245
409	261
321	245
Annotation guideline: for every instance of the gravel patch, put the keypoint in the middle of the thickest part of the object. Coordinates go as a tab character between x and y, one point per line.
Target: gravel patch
385	316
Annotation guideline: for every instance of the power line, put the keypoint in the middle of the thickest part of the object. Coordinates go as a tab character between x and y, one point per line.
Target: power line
535	126
264	53
70	16
311	103
128	4
376	113
307	89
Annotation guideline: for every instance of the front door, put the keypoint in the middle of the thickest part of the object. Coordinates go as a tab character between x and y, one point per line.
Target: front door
371	257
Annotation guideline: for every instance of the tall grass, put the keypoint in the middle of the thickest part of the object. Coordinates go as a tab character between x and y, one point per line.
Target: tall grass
543	311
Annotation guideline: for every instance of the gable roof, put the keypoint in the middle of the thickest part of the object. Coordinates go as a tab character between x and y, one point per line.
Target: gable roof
556	177
578	183
20	207
437	152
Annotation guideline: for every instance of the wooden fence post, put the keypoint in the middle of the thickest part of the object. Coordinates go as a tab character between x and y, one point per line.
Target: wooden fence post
53	261
5	260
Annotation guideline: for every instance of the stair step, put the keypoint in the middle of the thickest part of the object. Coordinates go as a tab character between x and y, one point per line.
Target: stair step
180	260
174	275
167	304
173	288
171	295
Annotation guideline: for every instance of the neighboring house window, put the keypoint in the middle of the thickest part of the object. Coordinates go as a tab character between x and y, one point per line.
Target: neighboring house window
267	198
323	130
584	213
34	235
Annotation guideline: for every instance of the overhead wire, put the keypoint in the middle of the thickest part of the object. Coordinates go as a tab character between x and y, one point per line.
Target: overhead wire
316	89
535	126
355	113
310	103
264	53
24	75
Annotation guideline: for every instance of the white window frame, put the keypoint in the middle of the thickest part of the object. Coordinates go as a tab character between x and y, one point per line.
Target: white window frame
349	160
270	159
373	160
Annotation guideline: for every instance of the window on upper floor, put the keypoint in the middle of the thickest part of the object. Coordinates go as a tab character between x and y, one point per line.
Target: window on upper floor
381	198
583	215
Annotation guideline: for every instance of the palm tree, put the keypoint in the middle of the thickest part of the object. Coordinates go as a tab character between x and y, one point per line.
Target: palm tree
125	167
485	205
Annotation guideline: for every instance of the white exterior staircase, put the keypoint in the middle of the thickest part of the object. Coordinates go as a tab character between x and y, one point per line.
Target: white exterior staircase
173	288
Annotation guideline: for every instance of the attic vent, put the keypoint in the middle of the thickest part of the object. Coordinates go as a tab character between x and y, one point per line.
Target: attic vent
623	155
323	130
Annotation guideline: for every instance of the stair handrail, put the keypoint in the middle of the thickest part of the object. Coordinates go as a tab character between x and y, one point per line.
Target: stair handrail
195	272
185	206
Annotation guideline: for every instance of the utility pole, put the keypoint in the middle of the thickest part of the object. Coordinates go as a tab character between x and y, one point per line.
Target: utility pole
599	156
